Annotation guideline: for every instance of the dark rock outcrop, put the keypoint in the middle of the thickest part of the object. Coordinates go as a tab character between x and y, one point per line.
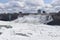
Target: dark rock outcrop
8	17
56	19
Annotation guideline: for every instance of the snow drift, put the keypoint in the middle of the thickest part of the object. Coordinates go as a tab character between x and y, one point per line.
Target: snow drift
28	28
28	31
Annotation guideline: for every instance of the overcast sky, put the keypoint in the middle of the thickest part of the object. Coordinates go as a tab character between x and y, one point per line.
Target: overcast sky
29	5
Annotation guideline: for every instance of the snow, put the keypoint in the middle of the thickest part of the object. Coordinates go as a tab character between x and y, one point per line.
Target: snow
34	19
20	30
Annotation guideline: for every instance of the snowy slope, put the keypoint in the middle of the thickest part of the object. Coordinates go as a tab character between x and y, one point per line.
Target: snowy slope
29	31
28	28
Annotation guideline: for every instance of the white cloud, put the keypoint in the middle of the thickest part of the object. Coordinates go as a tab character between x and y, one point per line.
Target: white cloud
1	5
28	6
56	5
53	7
21	5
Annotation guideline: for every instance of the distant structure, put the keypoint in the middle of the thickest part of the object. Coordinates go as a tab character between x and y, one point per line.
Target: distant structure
41	11
44	12
20	14
38	11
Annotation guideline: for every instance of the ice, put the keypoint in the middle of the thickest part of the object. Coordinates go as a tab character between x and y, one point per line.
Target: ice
34	19
28	28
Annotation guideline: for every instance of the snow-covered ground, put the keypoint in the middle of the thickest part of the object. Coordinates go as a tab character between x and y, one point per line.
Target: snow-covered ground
28	30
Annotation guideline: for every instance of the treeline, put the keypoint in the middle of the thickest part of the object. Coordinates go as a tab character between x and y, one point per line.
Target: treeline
8	16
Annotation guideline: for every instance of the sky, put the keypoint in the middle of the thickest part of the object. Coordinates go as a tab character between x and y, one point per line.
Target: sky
48	1
4	1
29	5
